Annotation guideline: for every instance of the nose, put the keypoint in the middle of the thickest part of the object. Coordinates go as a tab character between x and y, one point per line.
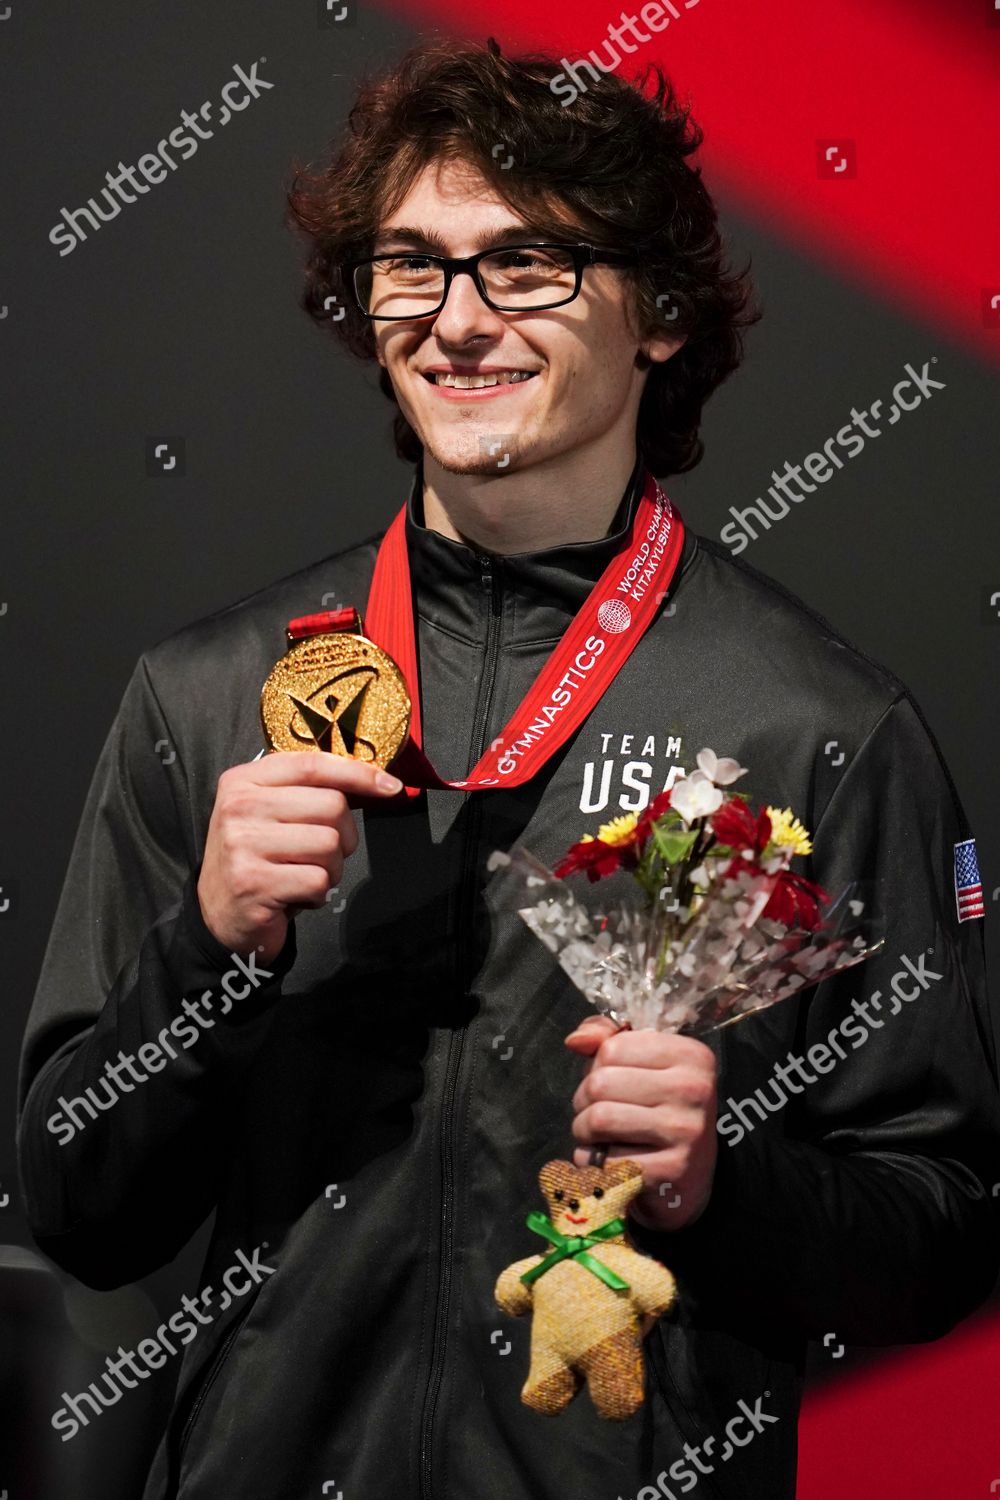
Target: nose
465	314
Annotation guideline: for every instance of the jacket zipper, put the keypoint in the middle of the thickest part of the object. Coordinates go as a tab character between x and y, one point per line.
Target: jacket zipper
207	1380
464	910
683	1417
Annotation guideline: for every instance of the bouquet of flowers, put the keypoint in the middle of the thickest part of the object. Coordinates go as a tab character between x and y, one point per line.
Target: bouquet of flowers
725	928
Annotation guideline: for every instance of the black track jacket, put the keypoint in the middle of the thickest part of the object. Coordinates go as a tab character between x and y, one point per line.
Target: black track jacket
375	1112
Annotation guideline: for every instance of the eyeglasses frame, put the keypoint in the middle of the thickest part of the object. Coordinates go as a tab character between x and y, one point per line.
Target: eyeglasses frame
583	254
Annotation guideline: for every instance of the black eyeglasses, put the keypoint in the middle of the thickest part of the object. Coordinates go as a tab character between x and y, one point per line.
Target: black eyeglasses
515	278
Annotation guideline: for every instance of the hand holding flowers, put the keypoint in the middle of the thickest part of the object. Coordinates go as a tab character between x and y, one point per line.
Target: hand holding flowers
725	928
651	1098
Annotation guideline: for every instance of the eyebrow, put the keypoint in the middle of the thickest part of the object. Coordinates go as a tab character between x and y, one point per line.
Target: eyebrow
410	235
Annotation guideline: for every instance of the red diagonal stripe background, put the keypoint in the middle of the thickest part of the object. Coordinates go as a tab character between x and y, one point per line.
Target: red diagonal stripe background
917	91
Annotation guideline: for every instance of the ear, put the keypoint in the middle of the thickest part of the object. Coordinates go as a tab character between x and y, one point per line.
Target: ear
659	347
557	1174
622	1169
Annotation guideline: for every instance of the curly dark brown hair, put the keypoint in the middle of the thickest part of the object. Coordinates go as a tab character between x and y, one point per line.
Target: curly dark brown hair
612	167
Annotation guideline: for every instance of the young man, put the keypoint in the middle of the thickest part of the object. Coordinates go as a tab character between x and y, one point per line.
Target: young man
323	1026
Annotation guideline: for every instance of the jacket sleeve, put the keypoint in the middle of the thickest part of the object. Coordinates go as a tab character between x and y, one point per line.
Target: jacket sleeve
116	1180
865	1206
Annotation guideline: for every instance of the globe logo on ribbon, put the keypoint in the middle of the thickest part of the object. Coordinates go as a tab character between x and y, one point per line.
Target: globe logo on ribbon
614	616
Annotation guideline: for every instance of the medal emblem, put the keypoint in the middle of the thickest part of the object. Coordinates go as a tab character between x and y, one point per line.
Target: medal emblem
340	691
337	691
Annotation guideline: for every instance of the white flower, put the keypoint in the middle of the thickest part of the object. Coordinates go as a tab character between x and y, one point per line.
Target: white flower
698	795
723	772
695	796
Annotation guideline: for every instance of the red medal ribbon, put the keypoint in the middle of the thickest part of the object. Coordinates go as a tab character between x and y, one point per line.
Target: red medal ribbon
329	619
595	646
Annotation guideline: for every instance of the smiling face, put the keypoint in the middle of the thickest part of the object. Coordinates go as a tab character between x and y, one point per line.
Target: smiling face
580	367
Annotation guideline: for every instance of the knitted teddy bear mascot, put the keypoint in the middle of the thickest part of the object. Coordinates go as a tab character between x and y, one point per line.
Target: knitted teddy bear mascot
592	1295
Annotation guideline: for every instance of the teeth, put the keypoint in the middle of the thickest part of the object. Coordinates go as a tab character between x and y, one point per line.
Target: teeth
473	382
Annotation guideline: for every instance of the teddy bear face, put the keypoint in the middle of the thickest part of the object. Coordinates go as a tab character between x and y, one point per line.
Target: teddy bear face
582	1199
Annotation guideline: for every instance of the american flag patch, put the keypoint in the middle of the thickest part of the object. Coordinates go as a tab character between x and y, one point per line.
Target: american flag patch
968	884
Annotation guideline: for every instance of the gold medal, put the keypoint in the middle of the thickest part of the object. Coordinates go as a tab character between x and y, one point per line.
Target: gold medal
337	691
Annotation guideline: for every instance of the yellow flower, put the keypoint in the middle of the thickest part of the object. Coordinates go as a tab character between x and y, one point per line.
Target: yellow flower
619	830
786	829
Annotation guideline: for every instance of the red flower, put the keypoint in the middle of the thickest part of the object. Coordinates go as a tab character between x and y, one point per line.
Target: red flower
735	826
795	901
592	855
598	858
649	815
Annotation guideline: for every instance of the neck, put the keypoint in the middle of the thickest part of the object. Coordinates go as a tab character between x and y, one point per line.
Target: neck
570	499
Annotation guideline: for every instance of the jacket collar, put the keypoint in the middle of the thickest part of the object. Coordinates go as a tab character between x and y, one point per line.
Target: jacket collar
539	592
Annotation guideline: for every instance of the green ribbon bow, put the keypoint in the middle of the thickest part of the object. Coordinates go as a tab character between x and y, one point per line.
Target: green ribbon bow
575	1247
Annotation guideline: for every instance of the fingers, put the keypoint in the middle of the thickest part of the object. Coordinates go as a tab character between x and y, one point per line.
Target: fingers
614	1120
636	1085
300	804
288	827
304	844
280	831
639	1049
290	885
589	1035
356	780
299	768
683	1087
643	1091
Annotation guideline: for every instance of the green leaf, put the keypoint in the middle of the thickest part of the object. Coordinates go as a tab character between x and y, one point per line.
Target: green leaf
670	822
674	845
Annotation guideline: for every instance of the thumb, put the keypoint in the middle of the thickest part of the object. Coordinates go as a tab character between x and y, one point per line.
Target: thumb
589	1035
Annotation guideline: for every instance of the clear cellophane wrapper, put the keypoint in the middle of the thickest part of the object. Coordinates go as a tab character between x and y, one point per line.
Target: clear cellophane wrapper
694	969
